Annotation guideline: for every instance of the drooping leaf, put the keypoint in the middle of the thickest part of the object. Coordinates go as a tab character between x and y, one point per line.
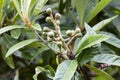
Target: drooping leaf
8	40
48	69
99	6
16	33
8	60
39	51
90	41
19	45
66	70
110	59
101	75
103	23
8	28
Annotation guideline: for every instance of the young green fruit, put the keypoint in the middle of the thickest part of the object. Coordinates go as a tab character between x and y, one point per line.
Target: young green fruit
57	16
49	11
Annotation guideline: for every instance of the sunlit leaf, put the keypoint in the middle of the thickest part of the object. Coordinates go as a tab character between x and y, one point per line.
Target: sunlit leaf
66	70
103	23
90	41
8	28
19	45
48	69
99	6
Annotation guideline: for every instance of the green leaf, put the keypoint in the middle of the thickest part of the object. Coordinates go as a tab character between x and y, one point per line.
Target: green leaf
26	6
8	60
8	28
110	59
101	75
16	33
116	22
113	40
2	2
39	6
99	6
19	45
81	7
90	41
37	27
87	54
39	51
103	23
66	70
16	75
48	69
17	6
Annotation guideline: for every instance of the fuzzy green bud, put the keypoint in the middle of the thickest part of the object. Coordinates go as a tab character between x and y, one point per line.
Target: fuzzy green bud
59	43
49	11
70	33
46	29
51	34
49	39
58	22
57	16
77	30
48	19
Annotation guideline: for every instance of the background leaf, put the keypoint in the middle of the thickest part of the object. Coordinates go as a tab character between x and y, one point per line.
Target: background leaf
101	75
110	59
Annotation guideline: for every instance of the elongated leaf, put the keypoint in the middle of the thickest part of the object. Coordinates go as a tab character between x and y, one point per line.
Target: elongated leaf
17	6
108	59
116	22
16	75
90	41
26	7
39	6
19	45
103	23
8	28
113	40
8	60
48	69
66	70
81	7
16	33
39	51
1	10
102	4
101	75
